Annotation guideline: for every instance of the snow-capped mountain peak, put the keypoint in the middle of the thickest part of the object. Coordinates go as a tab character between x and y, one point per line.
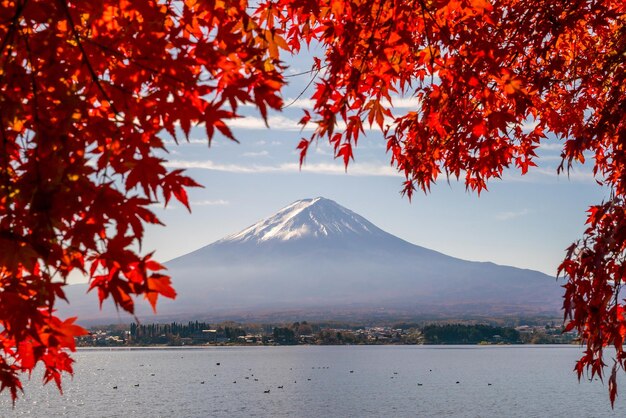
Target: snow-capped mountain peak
315	255
306	218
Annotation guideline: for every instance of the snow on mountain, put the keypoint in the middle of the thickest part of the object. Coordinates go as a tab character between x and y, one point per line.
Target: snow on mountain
306	218
315	255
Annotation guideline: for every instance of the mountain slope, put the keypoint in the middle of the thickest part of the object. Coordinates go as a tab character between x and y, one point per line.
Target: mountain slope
315	254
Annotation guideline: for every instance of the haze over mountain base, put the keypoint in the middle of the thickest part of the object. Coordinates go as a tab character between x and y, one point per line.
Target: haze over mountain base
315	257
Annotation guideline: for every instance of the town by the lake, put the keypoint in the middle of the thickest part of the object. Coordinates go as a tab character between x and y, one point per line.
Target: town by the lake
195	333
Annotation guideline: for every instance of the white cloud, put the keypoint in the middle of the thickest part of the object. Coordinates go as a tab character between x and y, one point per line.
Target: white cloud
535	174
397	101
545	158
529	125
326	151
363	169
279	122
403	102
551	147
506	216
192	141
161	206
294	70
256	154
543	174
218	202
574	175
300	103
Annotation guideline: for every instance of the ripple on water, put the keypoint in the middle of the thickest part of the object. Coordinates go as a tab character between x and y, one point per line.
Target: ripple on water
525	381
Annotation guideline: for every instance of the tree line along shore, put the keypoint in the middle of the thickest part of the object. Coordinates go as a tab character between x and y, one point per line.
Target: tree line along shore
195	333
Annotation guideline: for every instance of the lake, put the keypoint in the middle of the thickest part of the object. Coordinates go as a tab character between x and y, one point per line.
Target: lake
322	381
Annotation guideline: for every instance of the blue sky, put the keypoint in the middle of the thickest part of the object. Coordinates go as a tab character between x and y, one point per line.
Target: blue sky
524	221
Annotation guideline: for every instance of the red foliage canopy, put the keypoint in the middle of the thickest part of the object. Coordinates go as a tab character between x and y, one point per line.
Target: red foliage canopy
87	87
482	71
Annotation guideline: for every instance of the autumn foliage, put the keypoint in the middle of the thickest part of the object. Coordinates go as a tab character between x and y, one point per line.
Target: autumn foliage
493	80
88	88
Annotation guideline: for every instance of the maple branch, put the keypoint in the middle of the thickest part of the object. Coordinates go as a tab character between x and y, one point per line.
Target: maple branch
35	101
306	72
42	247
33	80
5	163
92	72
427	34
136	63
18	13
370	41
302	92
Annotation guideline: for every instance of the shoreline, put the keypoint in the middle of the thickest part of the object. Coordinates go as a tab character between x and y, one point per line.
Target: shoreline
422	346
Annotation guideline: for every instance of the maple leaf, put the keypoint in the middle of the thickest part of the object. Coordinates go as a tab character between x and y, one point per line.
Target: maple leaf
159	284
345	152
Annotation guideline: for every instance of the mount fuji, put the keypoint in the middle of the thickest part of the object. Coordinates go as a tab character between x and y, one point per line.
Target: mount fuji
314	255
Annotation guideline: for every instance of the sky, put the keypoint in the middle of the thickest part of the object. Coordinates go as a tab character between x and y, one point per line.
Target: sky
522	221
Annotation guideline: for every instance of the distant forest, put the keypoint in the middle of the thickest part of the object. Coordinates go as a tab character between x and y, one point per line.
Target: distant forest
173	333
468	334
202	333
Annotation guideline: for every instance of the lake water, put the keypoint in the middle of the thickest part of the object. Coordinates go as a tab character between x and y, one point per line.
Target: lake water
386	381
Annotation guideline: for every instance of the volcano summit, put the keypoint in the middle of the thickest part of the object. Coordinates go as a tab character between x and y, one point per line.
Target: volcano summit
316	255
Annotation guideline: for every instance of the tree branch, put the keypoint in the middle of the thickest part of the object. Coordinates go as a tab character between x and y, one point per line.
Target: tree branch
94	76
